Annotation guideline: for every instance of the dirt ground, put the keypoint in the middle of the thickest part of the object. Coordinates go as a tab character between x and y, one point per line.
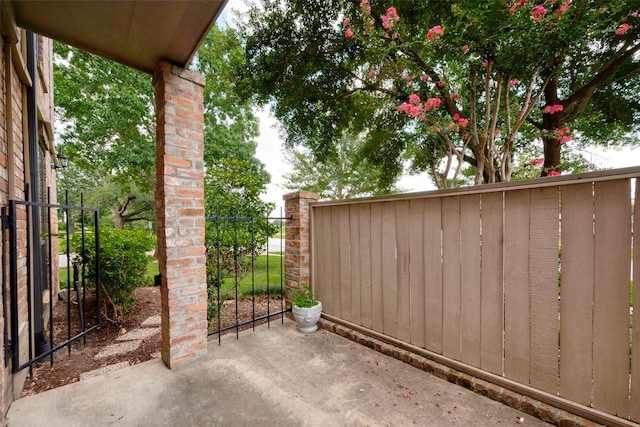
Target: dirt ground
68	366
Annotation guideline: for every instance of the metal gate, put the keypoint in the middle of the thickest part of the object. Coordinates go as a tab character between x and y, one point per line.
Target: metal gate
32	332
245	277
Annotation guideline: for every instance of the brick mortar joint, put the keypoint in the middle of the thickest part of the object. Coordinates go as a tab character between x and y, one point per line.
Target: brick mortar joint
492	391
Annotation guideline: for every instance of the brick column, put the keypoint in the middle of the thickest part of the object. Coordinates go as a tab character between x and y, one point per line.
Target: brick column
297	247
180	212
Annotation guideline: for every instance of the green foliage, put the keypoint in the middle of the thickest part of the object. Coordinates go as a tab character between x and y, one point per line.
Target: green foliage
232	190
494	65
344	174
303	297
108	133
123	265
262	282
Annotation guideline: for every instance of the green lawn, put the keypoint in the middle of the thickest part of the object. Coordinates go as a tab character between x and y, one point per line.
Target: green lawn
259	279
152	270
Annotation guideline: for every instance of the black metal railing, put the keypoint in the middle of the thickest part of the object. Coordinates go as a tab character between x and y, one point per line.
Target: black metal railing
34	286
241	293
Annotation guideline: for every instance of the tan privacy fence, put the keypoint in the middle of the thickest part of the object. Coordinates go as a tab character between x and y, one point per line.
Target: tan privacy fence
529	282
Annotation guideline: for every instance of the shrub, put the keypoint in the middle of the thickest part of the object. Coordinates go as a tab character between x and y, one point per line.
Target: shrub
123	265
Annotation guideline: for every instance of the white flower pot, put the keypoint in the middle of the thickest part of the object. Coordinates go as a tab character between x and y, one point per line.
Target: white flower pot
307	318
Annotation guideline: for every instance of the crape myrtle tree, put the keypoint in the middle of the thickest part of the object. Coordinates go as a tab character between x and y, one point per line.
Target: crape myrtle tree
447	84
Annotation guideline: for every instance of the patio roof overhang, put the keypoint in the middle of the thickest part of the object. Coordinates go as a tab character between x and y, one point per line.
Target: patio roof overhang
136	33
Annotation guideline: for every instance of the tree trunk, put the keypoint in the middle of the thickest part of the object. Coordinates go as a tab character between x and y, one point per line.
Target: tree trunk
551	143
118	219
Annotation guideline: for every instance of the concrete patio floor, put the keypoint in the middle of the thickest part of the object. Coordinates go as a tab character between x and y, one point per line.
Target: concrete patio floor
270	377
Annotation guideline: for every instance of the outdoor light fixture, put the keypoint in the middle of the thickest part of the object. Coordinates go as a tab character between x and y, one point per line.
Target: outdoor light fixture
62	163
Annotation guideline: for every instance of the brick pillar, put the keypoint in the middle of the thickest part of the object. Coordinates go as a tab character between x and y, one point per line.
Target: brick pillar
180	212
297	259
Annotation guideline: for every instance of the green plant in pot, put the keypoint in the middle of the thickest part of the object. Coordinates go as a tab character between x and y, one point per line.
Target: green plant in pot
306	310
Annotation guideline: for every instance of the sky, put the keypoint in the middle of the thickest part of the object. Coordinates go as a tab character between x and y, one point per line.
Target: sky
270	144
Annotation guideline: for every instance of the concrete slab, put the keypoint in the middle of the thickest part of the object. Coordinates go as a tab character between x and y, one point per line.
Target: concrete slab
138	334
152	322
271	377
118	348
104	370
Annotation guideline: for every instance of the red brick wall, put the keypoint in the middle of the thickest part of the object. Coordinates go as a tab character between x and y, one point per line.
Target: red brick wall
297	243
180	212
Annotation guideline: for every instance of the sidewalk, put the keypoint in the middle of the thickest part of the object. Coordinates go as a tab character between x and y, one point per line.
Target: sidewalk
273	377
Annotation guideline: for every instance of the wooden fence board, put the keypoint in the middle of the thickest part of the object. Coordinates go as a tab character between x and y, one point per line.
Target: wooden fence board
543	287
345	262
402	269
327	261
433	273
470	279
377	320
389	274
635	340
354	277
417	281
317	252
336	292
451	277
365	264
576	293
516	285
492	302
611	297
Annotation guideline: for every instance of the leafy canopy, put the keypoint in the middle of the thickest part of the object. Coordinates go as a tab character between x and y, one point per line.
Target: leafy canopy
447	83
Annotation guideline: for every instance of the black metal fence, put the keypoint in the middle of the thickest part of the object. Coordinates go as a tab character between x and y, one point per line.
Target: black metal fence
245	276
34	287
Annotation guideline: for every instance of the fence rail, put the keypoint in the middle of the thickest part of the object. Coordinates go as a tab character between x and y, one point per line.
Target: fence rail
234	242
525	282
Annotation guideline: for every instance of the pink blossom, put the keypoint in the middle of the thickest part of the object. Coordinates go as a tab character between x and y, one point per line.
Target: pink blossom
387	23
635	14
538	13
392	13
414	99
454	96
562	134
513	82
411	84
435	33
465	48
393	87
552	109
432	104
424	77
553	173
438	129
371	73
566	5
349	33
395	35
440	83
537	162
485	63
463	122
346	21
622	30
496	133
456	117
405	77
602	9
517	4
